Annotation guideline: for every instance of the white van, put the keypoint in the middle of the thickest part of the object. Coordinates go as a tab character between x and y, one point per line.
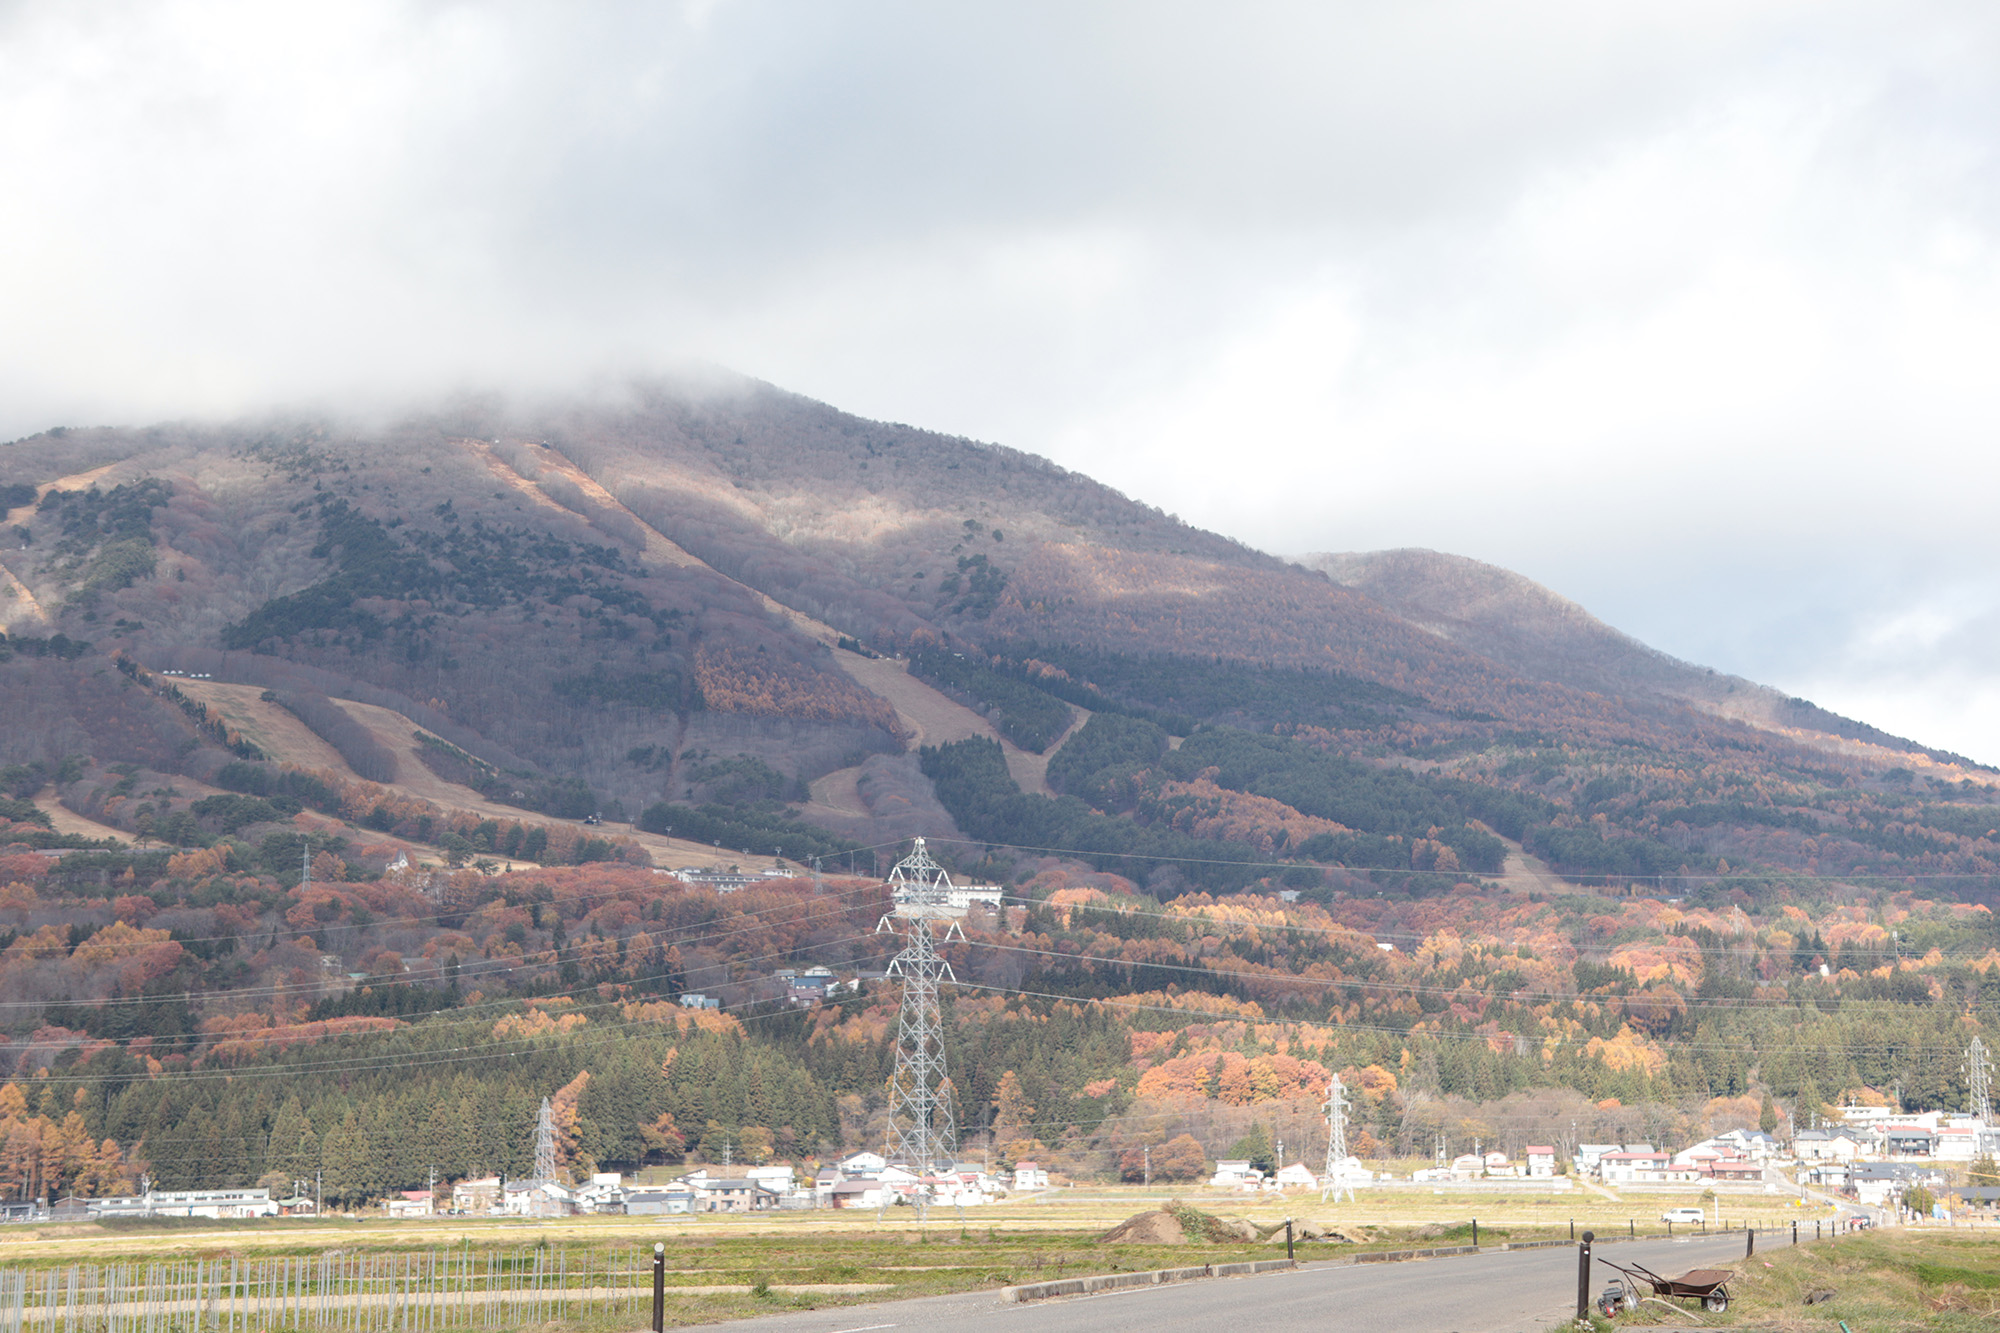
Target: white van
1691	1216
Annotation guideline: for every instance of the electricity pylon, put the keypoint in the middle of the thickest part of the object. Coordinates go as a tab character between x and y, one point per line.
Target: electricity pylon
545	1158
1336	1144
922	1131
1979	1079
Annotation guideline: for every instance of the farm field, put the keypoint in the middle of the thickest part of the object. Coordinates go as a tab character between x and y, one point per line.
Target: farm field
1054	1221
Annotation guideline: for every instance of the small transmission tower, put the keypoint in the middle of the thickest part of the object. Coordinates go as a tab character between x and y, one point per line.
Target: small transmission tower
1979	1080
545	1156
1336	1144
922	1132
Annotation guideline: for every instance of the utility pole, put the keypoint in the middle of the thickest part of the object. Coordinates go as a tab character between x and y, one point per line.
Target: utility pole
922	1131
1148	1152
1336	1144
319	1193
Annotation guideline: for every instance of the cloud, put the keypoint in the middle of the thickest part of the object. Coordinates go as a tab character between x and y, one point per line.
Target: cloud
1686	309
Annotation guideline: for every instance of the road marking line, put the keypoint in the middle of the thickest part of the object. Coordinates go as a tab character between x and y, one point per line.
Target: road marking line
865	1328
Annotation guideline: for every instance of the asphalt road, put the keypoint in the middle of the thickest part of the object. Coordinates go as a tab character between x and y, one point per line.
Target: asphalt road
1520	1291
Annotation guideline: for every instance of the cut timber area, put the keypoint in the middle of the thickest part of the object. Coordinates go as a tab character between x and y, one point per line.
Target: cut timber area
271	728
1524	873
68	821
933	718
289	741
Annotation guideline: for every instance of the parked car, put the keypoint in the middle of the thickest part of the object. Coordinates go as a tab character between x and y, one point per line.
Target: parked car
1692	1216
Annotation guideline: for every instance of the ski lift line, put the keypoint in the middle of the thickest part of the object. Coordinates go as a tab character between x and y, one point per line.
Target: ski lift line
1393	988
479	966
1887	878
1194	916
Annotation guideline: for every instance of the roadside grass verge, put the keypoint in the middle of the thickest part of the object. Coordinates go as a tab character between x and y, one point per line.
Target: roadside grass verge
1883	1282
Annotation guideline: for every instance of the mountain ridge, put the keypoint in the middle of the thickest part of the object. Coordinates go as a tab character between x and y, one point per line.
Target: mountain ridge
720	599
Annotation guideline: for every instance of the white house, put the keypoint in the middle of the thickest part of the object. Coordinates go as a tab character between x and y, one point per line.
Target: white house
478	1195
604	1194
1957	1144
1541	1161
537	1198
1879	1183
1825	1145
860	1193
1628	1168
1030	1176
409	1203
1236	1175
1297	1176
1588	1155
862	1164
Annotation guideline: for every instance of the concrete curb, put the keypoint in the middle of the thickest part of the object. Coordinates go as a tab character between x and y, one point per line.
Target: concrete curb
1084	1286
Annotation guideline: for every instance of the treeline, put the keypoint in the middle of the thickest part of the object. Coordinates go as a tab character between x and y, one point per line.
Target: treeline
387	810
1179	692
367	756
1367	798
762	829
564	798
973	784
1025	715
461	1097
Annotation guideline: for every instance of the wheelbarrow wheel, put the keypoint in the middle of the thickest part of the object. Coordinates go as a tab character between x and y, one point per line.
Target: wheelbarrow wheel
1716	1301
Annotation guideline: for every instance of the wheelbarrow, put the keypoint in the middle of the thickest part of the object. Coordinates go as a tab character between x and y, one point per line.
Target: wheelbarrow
1699	1284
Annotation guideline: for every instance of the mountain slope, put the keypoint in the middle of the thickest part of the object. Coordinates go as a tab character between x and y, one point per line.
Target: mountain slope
1528	628
692	606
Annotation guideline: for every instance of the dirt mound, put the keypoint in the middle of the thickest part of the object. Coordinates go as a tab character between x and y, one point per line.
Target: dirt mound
1237	1228
1310	1230
1156	1226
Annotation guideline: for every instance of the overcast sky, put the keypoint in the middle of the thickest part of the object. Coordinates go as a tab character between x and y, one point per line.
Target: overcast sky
1690	311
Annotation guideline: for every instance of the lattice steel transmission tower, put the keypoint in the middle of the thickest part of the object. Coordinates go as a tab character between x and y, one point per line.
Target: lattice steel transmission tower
1336	1143
922	1131
545	1145
1979	1080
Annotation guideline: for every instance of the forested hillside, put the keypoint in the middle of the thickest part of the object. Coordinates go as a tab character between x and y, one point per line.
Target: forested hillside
1088	1021
730	625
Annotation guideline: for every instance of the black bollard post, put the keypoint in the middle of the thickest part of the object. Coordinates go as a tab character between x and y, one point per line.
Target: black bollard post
1572	1228
1288	1238
1749	1241
1795	1231
1631	1229
1583	1277
1475	1233
659	1288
